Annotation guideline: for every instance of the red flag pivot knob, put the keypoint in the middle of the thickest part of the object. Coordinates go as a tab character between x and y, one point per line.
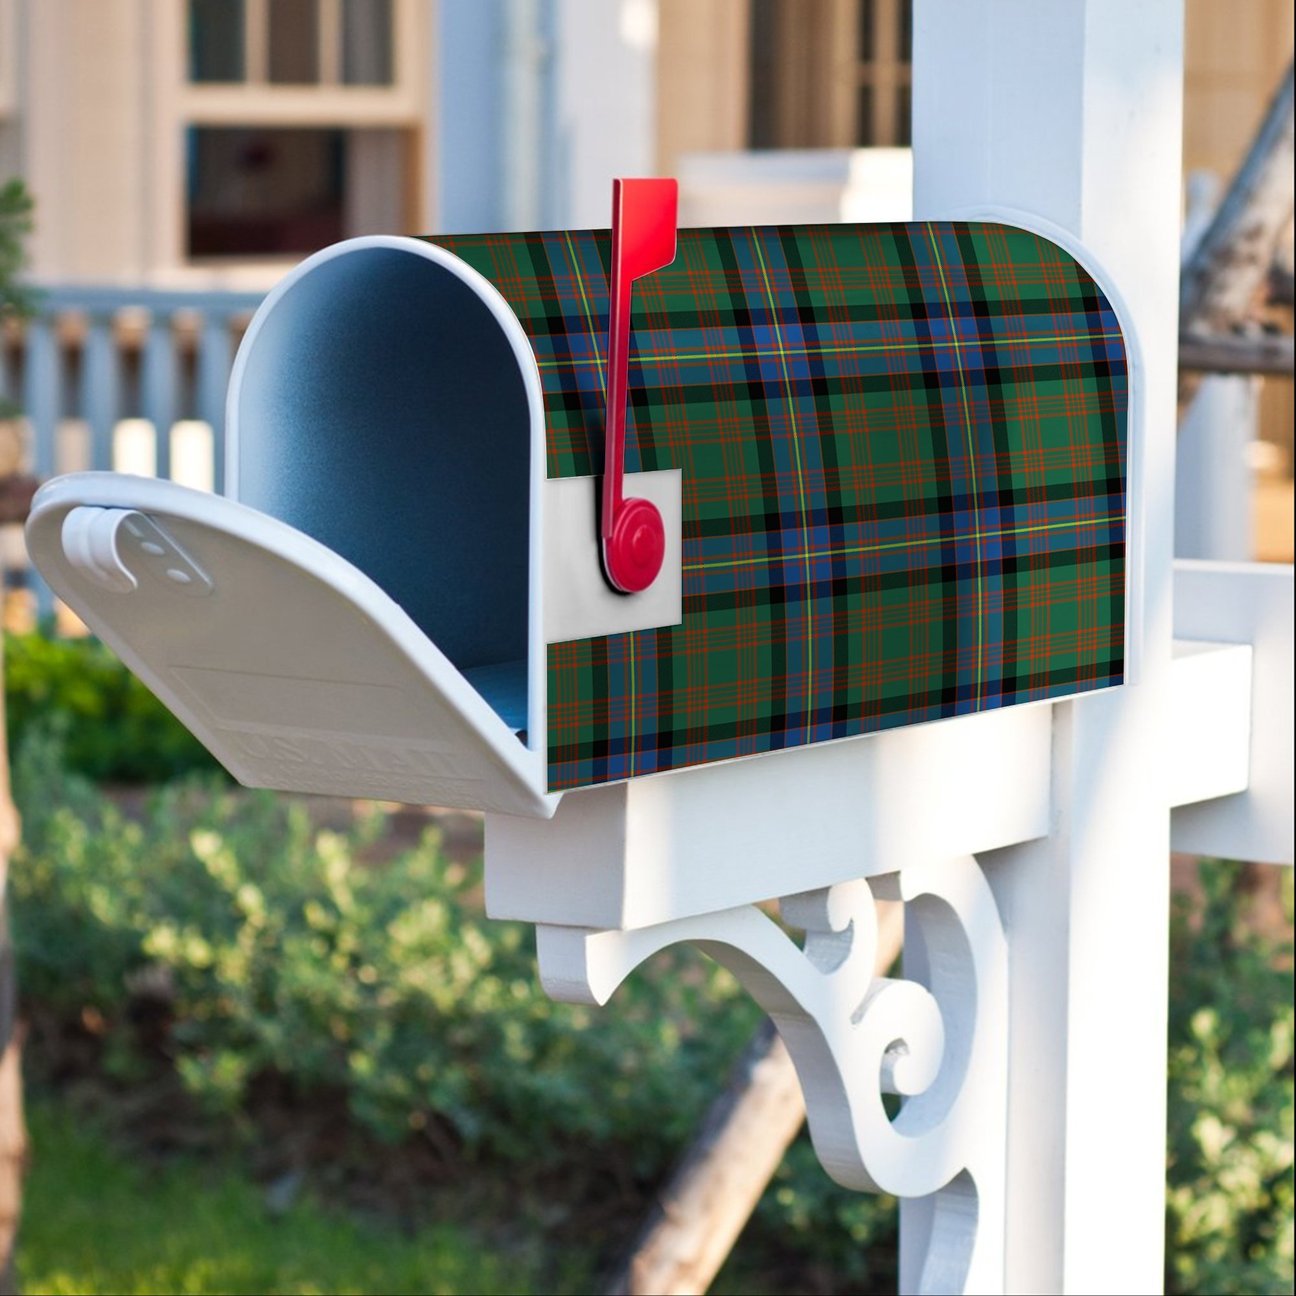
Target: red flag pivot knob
633	553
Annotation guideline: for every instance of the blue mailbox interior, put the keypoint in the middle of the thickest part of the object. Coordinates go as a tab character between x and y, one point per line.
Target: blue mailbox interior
382	411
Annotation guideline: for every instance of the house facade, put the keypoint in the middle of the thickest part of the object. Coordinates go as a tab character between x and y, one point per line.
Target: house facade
211	143
205	146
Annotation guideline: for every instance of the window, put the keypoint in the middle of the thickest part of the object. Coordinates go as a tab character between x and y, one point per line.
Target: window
264	192
216	49
297	123
366	42
291	42
883	69
294	42
830	73
281	192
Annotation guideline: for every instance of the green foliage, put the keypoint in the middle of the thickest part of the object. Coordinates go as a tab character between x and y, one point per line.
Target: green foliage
1230	1197
283	954
112	727
15	225
94	1221
847	1238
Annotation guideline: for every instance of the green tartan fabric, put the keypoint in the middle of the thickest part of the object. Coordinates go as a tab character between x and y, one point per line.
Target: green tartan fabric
903	451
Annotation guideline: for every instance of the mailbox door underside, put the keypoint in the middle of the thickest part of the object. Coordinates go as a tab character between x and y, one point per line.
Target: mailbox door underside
288	663
903	450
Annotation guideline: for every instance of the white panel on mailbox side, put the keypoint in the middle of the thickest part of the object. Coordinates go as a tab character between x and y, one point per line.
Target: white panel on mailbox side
287	662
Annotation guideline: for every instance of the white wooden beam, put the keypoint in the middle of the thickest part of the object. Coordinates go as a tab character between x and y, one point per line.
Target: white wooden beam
1208	744
1214	508
1072	113
683	844
1244	603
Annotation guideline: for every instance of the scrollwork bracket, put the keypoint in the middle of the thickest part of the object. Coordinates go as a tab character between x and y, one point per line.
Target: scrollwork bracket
937	1037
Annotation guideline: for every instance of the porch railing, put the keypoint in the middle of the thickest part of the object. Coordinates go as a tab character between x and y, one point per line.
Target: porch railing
124	379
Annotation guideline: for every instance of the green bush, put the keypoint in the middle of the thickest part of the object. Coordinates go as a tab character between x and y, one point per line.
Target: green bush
1230	1200
113	728
281	953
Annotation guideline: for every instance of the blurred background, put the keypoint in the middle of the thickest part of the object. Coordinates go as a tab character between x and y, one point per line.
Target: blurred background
182	155
256	1060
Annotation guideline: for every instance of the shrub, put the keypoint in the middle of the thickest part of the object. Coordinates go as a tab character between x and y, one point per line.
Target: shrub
112	727
283	954
1229	1200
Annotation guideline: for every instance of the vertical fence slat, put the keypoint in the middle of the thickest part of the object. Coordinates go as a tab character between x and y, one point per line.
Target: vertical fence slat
41	390
41	393
100	390
160	387
214	349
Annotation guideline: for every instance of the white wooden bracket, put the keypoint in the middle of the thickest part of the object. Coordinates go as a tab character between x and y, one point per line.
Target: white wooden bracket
937	1037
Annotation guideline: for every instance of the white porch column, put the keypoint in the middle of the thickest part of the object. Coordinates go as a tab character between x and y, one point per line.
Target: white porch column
1072	112
1214	510
605	103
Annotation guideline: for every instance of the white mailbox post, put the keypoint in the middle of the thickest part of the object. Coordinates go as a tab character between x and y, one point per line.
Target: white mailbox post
1074	111
321	636
1032	846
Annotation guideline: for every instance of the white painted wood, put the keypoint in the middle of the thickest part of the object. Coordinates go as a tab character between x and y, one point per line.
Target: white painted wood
1208	744
523	112
579	602
604	90
289	664
854	1036
1248	603
1213	486
695	841
1072	112
795	186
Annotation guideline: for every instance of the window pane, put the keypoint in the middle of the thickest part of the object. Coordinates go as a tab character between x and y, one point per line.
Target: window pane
904	112
763	55
216	40
267	192
294	42
864	131
367	42
867	19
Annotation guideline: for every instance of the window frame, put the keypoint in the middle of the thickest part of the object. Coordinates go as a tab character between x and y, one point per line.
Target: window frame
255	100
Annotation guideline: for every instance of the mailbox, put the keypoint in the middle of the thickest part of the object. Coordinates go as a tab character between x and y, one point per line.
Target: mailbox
889	464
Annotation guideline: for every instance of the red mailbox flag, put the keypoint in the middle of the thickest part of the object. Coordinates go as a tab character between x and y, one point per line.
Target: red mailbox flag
644	220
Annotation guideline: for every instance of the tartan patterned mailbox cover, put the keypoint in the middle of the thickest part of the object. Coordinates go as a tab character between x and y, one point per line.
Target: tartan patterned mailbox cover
904	456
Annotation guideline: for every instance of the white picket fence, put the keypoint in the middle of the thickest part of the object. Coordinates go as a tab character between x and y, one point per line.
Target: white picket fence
131	380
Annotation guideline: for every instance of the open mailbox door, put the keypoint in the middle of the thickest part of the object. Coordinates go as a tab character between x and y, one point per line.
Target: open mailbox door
293	667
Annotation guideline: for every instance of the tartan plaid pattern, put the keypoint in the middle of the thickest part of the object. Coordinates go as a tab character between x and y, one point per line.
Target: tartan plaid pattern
904	461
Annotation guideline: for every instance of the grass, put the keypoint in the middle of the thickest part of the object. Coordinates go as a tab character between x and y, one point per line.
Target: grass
96	1221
